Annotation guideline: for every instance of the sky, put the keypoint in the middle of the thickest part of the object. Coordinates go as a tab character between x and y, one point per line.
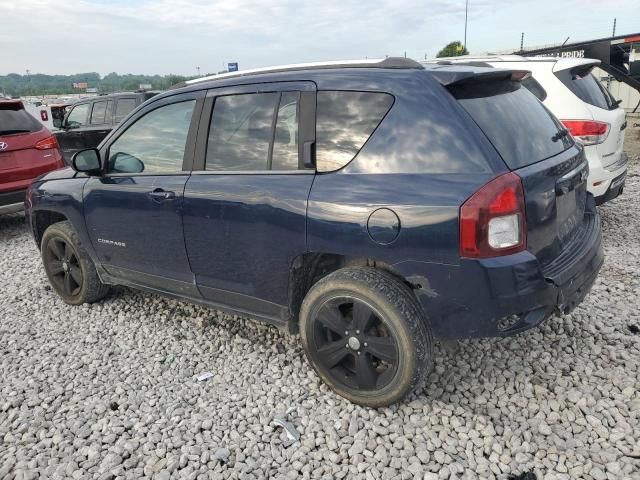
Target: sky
177	36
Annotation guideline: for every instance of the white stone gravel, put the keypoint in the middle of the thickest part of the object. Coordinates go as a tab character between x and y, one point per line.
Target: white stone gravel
108	390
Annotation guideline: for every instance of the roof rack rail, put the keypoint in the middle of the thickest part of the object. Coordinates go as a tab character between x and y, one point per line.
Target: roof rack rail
389	62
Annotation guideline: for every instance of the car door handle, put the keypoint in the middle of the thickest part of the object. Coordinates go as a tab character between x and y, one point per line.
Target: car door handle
160	195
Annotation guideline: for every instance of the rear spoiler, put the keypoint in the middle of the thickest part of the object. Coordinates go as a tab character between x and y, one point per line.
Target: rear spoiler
458	75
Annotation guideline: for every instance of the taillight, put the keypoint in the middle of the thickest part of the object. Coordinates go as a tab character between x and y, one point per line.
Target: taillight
47	143
587	132
492	220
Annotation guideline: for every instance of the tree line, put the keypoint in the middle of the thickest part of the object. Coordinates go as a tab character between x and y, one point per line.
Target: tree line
15	84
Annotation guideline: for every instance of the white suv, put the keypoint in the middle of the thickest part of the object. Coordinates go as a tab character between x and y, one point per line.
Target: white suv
594	118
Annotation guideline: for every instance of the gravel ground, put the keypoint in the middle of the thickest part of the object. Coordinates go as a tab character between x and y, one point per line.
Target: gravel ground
109	390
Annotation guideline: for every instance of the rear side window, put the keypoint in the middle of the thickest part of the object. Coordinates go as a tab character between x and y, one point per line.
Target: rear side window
586	87
16	120
345	121
534	87
124	107
98	113
254	132
520	128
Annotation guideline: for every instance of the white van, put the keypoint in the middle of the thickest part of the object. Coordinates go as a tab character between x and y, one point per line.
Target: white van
594	118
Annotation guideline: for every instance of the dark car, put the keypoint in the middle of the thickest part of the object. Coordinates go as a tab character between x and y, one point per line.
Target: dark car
88	121
27	150
368	206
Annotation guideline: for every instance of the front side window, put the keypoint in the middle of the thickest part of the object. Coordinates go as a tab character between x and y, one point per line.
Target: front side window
124	107
345	121
78	115
254	132
155	143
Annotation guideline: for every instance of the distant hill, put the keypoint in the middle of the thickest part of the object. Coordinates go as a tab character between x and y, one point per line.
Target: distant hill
40	84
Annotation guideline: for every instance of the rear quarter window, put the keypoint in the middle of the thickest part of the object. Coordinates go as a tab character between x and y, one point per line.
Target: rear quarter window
586	87
520	128
345	121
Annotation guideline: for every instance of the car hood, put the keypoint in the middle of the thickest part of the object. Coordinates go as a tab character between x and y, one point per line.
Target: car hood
60	174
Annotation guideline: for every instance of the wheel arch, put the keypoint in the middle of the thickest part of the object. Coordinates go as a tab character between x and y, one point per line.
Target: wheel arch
308	268
43	219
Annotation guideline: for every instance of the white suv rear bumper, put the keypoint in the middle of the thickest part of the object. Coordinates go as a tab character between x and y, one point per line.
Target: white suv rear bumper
600	178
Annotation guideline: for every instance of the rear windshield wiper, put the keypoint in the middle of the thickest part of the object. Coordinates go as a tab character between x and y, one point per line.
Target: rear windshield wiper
11	132
561	133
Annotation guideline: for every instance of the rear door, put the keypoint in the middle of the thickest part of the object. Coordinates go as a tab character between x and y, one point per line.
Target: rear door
602	107
532	142
99	123
245	203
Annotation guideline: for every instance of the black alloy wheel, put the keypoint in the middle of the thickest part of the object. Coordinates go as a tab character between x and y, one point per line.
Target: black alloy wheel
353	345
62	263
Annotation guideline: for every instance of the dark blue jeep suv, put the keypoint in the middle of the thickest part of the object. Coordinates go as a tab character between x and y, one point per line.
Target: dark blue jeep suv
370	206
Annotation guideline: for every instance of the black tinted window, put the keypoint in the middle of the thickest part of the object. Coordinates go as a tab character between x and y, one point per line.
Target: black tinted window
16	120
155	143
241	131
534	87
520	128
124	107
98	113
345	120
586	87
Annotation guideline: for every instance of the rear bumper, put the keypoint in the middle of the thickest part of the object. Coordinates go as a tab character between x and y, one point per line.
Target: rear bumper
615	189
601	178
11	202
506	295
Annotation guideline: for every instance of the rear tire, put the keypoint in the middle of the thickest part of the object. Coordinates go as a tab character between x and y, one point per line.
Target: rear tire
366	335
70	270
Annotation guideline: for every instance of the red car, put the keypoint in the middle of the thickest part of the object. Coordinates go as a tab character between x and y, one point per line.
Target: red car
27	150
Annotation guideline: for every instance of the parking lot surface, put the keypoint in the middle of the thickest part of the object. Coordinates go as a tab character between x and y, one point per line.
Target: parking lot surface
110	390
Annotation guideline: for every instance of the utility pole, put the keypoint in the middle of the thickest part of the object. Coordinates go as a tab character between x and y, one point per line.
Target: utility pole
466	14
198	69
522	42
614	28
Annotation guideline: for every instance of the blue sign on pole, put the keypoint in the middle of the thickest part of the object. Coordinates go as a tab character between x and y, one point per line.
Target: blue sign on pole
232	67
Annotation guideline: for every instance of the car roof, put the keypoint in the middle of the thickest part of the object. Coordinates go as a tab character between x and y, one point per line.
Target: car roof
14	103
108	96
389	62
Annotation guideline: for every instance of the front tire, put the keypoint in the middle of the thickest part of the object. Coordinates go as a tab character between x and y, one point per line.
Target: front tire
366	335
70	270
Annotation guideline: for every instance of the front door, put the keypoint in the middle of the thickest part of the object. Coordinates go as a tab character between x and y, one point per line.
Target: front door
71	136
133	212
245	203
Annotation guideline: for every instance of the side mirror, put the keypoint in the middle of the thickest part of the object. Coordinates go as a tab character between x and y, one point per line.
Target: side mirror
57	122
87	161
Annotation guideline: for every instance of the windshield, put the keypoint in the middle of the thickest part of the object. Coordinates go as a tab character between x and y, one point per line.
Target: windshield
518	125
